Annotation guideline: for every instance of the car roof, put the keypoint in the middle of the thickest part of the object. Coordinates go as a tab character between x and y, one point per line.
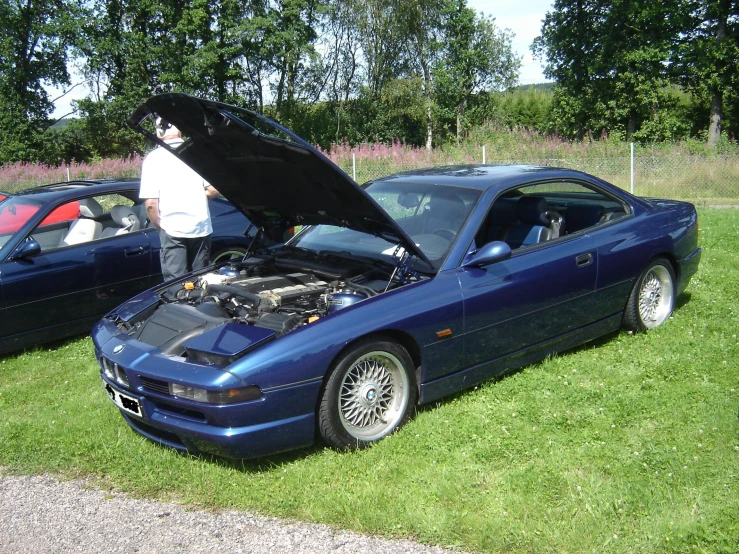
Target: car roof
482	177
74	189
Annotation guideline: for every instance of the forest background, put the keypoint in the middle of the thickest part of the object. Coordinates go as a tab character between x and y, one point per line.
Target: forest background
340	73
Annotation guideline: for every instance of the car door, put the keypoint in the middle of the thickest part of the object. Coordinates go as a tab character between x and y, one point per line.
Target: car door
543	291
538	294
73	284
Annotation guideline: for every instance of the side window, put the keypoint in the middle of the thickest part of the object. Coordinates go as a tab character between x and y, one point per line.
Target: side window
86	220
542	212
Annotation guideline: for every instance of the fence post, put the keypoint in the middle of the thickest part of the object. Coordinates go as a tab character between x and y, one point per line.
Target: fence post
632	168
354	166
484	159
67	174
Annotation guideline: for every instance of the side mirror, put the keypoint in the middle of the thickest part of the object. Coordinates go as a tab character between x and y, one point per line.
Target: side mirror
28	249
492	252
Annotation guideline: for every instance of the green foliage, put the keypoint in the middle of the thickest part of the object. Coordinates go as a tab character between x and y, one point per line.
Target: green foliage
522	108
425	72
615	63
35	38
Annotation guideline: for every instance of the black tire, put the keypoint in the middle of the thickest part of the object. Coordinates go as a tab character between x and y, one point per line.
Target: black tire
370	392
230	253
653	297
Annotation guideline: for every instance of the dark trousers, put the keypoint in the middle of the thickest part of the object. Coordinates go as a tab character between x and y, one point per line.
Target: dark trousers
181	255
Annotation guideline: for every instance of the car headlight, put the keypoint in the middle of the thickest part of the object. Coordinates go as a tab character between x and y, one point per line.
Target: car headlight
228	396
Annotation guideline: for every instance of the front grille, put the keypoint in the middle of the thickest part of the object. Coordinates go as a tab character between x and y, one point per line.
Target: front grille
120	375
114	372
155	385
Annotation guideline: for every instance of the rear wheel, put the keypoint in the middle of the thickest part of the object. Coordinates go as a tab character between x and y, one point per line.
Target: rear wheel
369	393
652	298
231	253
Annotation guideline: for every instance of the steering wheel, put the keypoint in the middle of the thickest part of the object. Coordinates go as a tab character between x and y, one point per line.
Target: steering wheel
445	233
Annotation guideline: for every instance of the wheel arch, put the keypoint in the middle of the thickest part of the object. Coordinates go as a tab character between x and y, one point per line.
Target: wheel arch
670	257
404	339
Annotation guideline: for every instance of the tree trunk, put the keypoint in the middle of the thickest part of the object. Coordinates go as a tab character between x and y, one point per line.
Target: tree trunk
429	128
460	114
631	127
714	127
717	101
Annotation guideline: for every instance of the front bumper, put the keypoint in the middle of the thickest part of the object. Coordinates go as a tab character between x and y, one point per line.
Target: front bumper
176	424
283	418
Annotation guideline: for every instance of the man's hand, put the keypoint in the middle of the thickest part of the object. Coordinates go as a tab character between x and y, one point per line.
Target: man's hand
152	211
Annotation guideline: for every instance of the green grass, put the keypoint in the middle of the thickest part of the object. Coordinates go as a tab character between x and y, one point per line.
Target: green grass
629	444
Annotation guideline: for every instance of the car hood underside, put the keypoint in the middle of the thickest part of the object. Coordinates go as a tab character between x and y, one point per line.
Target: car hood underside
272	175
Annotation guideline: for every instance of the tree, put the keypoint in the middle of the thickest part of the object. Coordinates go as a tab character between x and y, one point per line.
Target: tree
609	61
477	57
35	37
706	55
289	45
422	29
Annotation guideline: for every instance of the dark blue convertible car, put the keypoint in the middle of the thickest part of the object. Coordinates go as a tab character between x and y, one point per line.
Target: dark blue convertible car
70	252
394	294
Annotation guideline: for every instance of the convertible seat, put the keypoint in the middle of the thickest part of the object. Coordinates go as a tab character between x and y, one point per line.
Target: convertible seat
89	207
82	230
445	211
125	219
534	224
581	216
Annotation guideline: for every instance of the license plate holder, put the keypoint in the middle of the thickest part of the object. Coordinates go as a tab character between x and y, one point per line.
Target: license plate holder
127	403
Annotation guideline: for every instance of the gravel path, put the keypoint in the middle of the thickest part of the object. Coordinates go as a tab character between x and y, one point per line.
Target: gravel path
41	514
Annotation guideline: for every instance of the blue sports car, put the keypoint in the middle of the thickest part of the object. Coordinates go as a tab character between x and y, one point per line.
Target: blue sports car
394	294
70	252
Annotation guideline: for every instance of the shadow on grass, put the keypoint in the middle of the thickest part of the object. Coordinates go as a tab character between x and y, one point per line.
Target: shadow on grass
510	372
43	347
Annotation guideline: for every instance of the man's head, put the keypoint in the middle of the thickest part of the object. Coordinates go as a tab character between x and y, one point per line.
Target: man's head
165	129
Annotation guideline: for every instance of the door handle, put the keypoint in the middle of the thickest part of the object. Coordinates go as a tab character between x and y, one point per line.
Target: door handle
135	251
584	259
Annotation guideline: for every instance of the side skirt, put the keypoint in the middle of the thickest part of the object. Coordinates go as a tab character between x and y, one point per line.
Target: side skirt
456	382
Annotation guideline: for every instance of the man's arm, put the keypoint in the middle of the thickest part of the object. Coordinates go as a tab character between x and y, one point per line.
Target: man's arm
211	192
152	211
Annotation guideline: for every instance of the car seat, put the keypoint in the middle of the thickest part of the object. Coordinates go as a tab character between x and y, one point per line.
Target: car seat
125	219
533	226
89	207
82	230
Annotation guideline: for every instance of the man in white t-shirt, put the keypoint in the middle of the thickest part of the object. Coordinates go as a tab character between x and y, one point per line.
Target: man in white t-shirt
176	200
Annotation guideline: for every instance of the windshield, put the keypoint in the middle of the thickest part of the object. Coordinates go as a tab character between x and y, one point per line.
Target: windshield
432	215
14	212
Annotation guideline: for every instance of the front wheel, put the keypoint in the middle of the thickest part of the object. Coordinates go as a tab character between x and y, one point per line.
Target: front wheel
369	393
653	297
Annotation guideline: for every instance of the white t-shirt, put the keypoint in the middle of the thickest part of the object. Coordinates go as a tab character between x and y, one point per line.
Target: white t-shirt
183	204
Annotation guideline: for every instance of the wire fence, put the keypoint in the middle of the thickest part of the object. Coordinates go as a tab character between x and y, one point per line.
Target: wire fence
698	179
705	180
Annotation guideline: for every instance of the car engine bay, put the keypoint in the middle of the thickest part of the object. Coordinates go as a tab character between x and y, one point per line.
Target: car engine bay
272	294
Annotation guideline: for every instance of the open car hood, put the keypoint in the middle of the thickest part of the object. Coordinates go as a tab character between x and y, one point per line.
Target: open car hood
272	175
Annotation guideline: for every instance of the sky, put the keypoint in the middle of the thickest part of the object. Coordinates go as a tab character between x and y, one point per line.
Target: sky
522	17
